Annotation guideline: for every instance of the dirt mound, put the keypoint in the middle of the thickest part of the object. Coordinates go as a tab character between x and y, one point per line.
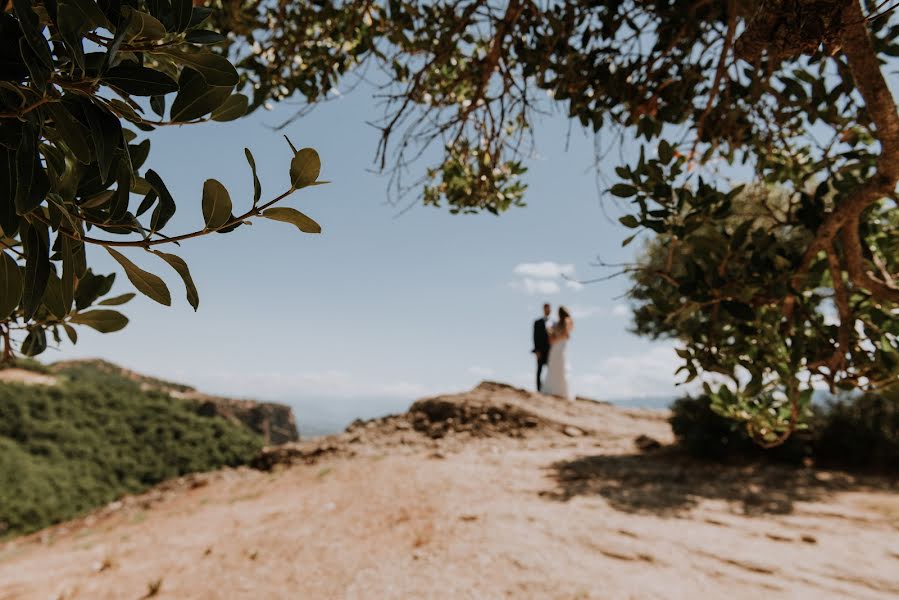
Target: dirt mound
443	423
441	416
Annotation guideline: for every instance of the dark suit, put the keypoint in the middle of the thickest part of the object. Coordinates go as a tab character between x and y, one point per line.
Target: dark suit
541	347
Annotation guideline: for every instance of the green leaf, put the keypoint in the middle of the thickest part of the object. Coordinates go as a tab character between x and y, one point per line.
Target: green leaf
196	98
233	108
70	331
666	152
35	342
53	297
180	266
9	220
90	15
117	300
629	221
181	13
103	320
166	208
257	187
140	81
73	135
204	37
290	215
740	234
305	168
216	70
32	30
37	268
628	240
142	26
216	204
10	285
67	289
146	283
106	133
40	74
157	103
32	183
623	190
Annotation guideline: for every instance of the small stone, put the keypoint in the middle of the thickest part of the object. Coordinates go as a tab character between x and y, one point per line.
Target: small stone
809	539
572	431
645	443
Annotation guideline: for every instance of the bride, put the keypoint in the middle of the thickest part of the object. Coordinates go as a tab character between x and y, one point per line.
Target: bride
556	383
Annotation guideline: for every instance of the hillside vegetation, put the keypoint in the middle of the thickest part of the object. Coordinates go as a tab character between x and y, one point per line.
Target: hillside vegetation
70	447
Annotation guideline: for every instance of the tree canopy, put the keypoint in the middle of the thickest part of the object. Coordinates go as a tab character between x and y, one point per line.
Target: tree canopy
80	84
776	286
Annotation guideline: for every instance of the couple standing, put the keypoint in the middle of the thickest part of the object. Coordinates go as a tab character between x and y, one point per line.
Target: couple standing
550	340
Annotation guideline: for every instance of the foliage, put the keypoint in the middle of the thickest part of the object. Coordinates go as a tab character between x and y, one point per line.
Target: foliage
863	431
70	448
704	433
860	432
80	81
787	95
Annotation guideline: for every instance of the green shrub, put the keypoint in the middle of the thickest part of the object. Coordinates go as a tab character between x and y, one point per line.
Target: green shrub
705	434
861	432
69	448
851	432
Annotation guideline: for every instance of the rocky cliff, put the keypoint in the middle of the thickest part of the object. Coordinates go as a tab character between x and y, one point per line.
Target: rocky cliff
274	422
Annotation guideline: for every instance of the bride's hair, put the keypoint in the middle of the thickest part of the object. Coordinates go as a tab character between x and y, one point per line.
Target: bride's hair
564	315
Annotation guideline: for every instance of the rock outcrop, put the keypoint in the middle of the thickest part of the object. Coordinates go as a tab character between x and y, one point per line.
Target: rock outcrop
274	422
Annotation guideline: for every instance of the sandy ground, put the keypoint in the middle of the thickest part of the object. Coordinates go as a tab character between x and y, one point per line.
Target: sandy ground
565	508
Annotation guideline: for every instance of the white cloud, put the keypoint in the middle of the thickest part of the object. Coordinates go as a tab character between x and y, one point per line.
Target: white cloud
544	270
544	287
621	310
545	278
644	375
579	311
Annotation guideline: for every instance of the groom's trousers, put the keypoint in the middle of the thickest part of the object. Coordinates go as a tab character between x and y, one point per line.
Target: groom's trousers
542	358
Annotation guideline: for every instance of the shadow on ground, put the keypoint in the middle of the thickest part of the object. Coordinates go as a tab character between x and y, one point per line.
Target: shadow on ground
667	483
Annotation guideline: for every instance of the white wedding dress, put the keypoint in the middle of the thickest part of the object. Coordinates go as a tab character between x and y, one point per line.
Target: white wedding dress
556	383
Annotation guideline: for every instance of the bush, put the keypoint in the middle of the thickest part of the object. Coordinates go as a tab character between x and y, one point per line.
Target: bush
855	433
863	432
69	448
705	434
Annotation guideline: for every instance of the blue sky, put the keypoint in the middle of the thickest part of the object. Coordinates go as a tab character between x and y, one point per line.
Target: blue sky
380	305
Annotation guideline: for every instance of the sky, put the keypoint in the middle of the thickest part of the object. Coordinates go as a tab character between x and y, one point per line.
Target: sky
385	306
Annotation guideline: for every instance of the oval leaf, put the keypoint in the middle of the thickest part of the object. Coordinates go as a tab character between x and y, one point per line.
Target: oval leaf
117	300
146	283
10	285
216	204
180	266
196	98
35	342
290	215
305	168
103	320
140	81
233	108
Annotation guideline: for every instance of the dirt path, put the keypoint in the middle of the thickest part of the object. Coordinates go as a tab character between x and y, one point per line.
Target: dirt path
564	507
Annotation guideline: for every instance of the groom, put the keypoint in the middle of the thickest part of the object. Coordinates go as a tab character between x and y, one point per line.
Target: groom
541	342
